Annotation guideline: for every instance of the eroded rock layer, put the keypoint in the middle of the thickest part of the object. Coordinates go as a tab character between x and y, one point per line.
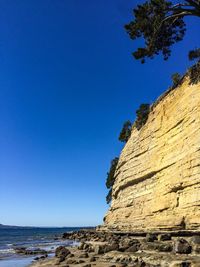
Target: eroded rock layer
158	175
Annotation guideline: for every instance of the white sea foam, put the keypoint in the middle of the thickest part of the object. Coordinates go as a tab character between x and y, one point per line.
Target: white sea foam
7	251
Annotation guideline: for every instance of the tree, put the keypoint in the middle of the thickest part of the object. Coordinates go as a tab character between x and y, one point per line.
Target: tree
125	132
161	24
111	174
194	54
176	78
142	115
109	196
111	178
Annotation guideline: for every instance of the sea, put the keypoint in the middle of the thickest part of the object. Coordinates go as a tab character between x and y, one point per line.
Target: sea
31	238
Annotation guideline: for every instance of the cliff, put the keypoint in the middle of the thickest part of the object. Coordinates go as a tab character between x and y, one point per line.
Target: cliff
157	184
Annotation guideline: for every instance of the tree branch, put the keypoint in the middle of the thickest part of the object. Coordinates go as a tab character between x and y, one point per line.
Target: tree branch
194	3
182	14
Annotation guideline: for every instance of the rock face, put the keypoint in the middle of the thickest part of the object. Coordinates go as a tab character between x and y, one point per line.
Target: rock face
157	183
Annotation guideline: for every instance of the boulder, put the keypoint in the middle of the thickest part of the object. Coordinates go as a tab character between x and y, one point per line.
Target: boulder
71	261
25	251
61	253
151	237
149	246
81	261
135	247
127	243
81	246
99	249
164	237
181	246
111	247
195	239
84	255
180	264
196	248
92	259
165	247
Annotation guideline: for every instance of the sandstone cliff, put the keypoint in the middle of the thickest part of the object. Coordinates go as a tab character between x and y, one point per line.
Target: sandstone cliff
157	183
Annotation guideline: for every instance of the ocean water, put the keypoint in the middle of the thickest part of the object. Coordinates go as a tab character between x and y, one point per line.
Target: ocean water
31	238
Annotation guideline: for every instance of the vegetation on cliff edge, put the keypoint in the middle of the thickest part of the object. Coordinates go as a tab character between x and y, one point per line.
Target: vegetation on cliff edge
111	178
125	132
161	24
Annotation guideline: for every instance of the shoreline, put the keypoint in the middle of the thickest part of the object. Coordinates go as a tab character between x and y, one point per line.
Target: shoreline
16	262
19	246
106	249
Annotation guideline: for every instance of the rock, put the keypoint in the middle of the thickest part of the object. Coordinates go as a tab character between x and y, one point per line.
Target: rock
61	253
111	247
81	261
151	237
69	256
99	249
180	264
123	265
195	239
196	248
71	261
149	246
164	237
81	246
165	247
157	163
26	251
127	243
86	246
92	259
87	265
43	257
84	255
133	248
20	250
181	246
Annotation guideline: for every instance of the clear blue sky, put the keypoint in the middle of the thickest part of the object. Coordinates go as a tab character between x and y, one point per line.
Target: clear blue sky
67	84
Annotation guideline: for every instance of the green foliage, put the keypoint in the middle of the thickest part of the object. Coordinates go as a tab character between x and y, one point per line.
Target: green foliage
194	54
111	174
176	78
161	24
109	196
142	115
111	178
194	73
125	132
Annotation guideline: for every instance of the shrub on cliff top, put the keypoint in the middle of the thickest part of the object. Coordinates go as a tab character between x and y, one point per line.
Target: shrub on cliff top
176	78
142	115
194	73
125	132
194	54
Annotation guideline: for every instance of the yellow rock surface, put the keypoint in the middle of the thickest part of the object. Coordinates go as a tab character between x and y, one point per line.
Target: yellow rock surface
158	175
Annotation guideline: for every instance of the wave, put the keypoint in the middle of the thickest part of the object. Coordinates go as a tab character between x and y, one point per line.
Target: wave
6	251
47	239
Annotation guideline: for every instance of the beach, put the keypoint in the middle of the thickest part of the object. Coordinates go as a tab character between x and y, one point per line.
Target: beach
106	249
